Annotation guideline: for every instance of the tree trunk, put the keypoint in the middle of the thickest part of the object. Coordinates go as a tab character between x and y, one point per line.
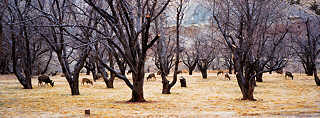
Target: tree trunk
246	87
109	83
28	84
88	71
204	73
244	80
259	77
190	72
316	78
137	92
74	86
25	80
230	69
308	69
165	85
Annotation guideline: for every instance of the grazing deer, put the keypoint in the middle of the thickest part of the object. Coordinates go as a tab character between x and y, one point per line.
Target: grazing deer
86	80
45	79
288	74
151	75
219	72
227	76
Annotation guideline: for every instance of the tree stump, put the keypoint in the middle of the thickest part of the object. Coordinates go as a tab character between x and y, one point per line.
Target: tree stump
87	112
183	82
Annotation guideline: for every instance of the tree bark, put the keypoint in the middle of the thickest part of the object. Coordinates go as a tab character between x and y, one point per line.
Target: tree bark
25	80
308	69
109	83
259	77
88	71
316	78
74	86
204	73
245	82
190	72
230	69
137	92
165	85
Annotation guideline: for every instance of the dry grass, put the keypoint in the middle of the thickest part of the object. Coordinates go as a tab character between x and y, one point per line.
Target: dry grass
213	97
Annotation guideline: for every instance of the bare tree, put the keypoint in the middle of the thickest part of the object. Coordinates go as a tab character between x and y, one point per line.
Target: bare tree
164	54
69	43
191	58
130	22
23	58
306	47
239	25
206	55
4	43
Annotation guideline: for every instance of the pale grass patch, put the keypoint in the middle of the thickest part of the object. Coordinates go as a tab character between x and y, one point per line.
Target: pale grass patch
212	97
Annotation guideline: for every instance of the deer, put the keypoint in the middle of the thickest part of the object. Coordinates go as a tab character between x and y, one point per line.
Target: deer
227	76
86	80
150	76
288	74
45	79
219	72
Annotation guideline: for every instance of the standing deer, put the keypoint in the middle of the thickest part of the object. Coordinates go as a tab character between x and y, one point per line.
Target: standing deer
86	80
219	72
227	76
288	74
45	79
151	75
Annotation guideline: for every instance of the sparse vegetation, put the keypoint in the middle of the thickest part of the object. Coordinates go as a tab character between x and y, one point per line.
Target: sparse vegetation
214	47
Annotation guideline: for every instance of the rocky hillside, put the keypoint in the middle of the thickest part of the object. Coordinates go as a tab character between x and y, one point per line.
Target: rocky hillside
196	13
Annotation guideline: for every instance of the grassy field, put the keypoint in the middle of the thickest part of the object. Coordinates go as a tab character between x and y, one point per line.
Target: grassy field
212	97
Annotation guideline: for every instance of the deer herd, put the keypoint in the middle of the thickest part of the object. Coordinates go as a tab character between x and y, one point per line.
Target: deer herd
152	76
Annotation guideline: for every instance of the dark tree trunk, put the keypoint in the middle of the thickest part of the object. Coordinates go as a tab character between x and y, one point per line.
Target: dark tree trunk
165	85
137	92
109	82
316	78
74	86
25	80
245	82
28	84
204	73
190	72
308	68
230	69
88	71
72	77
246	86
259	77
